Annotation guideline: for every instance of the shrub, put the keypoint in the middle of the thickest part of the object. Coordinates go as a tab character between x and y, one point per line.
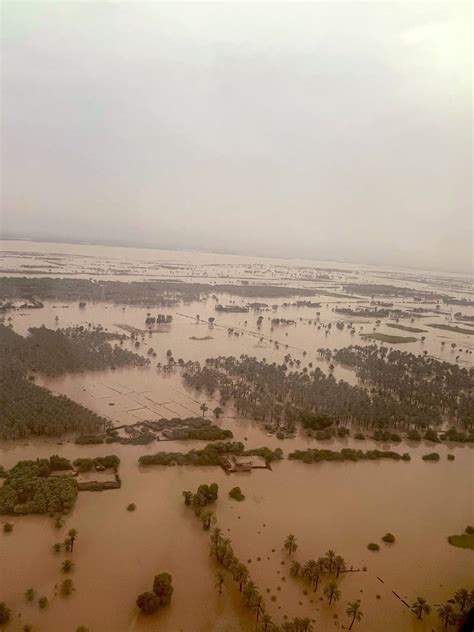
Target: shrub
148	602
450	457
413	435
389	537
469	529
163	588
43	602
360	436
67	587
30	594
236	494
373	547
7	527
431	435
131	507
5	613
432	456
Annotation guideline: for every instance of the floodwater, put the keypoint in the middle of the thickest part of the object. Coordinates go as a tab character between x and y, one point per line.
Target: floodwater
329	505
342	506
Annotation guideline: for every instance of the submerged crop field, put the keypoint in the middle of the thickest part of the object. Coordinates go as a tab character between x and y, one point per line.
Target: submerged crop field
304	422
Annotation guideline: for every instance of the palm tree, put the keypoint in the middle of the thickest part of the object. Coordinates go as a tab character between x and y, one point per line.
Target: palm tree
67	587
249	593
206	519
5	613
67	566
258	600
340	564
446	615
188	496
30	594
219	581
204	407
295	568
241	575
421	606
461	597
266	621
332	592
216	537
72	533
330	557
311	573
290	544
353	610
305	624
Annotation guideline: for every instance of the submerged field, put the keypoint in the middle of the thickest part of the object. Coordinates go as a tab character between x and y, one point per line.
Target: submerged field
327	505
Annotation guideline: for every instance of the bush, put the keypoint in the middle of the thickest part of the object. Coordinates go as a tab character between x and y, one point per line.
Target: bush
469	529
431	435
389	537
67	587
131	507
43	602
30	594
413	435
450	457
5	613
360	436
236	494
373	547
432	456
148	602
7	527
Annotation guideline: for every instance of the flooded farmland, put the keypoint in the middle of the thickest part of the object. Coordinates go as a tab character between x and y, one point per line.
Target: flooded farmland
329	505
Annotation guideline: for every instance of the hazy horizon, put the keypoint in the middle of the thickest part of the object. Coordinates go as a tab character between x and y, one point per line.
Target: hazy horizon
325	131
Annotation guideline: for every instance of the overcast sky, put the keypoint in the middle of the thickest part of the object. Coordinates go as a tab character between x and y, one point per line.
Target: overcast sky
328	130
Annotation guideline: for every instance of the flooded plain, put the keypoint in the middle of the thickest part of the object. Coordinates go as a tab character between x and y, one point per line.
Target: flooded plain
340	506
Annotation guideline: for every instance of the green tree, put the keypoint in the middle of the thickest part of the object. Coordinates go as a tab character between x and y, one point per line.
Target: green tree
446	615
163	588
420	607
290	544
461	597
353	610
266	622
67	587
67	566
249	593
204	407
219	581
72	533
188	496
30	594
5	613
330	559
258	605
241	575
218	411
148	602
206	519
332	592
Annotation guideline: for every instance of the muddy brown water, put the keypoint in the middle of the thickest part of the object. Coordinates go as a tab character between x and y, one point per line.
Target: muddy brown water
329	505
